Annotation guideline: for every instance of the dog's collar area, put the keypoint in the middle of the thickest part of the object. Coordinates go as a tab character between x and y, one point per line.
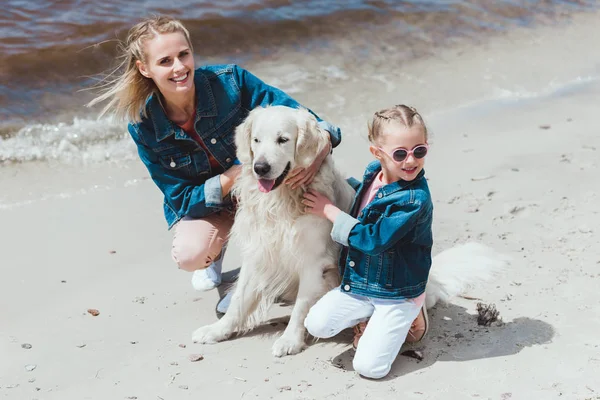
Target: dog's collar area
281	177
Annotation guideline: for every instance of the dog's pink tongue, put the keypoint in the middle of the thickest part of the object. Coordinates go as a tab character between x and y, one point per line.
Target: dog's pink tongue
265	185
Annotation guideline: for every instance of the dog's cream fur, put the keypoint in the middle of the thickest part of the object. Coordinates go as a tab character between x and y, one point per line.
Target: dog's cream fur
290	255
285	253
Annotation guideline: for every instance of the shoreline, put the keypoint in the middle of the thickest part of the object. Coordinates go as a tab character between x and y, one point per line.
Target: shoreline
370	46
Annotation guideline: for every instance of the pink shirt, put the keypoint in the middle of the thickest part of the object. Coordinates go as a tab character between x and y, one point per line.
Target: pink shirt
367	198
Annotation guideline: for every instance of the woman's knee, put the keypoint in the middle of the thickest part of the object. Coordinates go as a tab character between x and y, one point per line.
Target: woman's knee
198	242
190	257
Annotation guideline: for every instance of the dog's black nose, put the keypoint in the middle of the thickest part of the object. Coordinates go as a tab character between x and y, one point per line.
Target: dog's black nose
262	168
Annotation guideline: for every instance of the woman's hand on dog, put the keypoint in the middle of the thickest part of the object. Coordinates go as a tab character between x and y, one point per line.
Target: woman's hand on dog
304	176
228	177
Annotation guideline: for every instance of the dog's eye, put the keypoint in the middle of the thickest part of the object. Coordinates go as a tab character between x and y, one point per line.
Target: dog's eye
282	140
256	140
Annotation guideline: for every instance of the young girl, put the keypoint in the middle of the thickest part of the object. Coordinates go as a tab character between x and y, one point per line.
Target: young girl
387	239
183	120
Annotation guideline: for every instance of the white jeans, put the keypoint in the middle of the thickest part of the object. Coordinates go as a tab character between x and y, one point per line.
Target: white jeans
386	332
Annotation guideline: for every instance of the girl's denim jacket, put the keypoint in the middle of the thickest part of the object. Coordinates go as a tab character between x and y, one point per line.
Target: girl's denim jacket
387	251
179	166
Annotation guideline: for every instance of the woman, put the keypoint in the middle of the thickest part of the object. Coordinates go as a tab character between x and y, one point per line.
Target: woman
183	120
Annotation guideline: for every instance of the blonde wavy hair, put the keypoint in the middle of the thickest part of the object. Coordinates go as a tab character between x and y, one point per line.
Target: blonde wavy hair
128	92
408	116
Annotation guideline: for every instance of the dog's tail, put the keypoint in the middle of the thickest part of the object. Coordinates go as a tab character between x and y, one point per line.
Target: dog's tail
456	270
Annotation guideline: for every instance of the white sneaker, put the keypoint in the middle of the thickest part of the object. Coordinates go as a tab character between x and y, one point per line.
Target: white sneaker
209	278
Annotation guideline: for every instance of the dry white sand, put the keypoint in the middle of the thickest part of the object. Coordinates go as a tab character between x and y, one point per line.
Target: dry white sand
520	176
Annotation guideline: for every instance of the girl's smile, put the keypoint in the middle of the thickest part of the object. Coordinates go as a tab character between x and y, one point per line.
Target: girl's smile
396	136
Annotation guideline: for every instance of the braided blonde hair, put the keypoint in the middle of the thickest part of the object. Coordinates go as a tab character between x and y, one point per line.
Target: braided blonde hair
408	116
128	93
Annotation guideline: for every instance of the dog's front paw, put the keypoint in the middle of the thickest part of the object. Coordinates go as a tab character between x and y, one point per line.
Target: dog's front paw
288	345
211	334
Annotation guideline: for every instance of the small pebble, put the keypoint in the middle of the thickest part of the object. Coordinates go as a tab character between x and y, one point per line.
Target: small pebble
196	357
184	387
30	367
93	312
26	346
183	346
282	388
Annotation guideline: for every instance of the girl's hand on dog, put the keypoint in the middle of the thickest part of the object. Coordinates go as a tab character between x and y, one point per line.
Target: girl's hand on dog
317	204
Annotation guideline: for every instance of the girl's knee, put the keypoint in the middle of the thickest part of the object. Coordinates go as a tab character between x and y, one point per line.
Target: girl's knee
369	367
317	326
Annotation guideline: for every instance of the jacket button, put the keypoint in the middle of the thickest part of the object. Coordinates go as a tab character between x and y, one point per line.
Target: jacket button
213	141
346	287
228	159
352	263
380	195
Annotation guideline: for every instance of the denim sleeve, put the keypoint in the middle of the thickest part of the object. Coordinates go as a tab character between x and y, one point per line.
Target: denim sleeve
342	226
257	93
213	192
386	232
185	198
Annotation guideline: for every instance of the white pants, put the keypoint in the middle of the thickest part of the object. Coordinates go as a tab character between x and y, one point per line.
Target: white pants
386	332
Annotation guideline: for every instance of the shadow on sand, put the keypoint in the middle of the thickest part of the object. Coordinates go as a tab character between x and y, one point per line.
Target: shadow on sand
455	336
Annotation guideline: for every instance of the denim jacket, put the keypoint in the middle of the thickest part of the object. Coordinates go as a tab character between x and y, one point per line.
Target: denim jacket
387	251
179	166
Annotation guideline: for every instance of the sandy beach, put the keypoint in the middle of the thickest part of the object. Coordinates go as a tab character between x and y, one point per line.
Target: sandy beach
519	173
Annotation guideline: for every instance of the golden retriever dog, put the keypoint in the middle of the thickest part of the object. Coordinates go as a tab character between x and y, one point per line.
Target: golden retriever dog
286	254
289	255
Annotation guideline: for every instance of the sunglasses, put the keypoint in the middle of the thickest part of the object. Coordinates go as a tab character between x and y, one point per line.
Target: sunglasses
400	154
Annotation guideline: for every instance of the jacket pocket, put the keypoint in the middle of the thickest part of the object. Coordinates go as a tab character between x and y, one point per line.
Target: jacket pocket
180	163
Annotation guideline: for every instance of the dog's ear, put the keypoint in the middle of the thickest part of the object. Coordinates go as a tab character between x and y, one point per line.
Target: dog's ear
311	138
243	136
